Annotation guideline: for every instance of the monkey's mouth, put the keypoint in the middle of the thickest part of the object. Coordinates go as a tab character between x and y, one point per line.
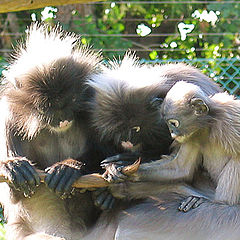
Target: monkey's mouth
62	126
180	138
127	145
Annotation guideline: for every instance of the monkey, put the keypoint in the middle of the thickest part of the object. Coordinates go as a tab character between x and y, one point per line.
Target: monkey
206	131
45	125
125	108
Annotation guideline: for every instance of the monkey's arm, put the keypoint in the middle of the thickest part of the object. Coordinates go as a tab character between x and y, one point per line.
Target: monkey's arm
19	170
180	165
228	186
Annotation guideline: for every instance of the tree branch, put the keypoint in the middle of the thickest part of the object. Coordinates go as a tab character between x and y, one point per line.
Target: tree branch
20	5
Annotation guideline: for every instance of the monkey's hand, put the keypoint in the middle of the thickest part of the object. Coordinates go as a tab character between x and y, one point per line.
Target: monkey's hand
103	198
21	174
62	175
115	164
190	202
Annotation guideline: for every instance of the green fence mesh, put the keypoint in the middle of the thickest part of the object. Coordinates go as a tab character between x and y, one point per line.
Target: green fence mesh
225	71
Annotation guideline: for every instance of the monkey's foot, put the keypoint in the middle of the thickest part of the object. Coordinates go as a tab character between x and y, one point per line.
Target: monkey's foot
21	174
62	175
190	202
115	164
103	198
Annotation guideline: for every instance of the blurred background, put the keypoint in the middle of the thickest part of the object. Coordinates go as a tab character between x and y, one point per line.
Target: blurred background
205	34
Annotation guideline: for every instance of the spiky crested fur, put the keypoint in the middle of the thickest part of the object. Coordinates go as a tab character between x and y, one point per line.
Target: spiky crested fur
48	58
125	90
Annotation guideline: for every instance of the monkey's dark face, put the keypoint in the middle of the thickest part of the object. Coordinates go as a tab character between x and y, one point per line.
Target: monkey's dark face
130	118
49	97
185	115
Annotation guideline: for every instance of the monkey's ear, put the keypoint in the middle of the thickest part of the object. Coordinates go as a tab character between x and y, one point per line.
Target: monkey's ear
199	106
156	102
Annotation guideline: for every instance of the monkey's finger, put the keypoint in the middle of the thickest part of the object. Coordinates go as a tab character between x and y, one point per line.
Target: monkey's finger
29	178
52	179
34	174
185	203
190	204
198	203
65	184
11	176
108	202
118	162
100	198
18	180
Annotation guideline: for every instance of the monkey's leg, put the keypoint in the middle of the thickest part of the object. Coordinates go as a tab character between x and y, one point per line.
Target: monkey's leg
44	213
157	218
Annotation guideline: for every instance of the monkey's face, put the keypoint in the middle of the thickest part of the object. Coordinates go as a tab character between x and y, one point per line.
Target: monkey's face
185	117
48	97
130	118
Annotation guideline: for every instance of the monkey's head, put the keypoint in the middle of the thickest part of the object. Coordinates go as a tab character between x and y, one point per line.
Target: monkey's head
128	113
185	110
48	92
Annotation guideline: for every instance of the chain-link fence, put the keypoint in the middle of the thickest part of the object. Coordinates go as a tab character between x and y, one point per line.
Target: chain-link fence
224	71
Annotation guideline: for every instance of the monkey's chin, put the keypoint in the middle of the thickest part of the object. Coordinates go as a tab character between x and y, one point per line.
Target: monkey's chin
181	138
63	126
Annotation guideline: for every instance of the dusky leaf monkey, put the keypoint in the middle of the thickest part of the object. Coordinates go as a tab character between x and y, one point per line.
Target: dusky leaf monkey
125	109
208	130
45	124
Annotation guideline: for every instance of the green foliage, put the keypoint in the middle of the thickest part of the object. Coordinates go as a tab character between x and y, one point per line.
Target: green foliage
2	230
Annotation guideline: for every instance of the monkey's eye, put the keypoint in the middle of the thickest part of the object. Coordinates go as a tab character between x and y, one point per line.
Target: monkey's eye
137	129
74	99
173	122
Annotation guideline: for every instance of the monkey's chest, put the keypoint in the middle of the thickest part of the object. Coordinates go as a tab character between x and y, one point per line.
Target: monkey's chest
48	149
214	160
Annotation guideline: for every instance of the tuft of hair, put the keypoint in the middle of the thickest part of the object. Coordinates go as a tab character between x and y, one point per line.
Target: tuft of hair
123	94
48	65
183	91
226	128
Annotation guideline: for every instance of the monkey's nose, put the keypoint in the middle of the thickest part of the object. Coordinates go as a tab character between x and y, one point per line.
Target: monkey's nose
64	123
